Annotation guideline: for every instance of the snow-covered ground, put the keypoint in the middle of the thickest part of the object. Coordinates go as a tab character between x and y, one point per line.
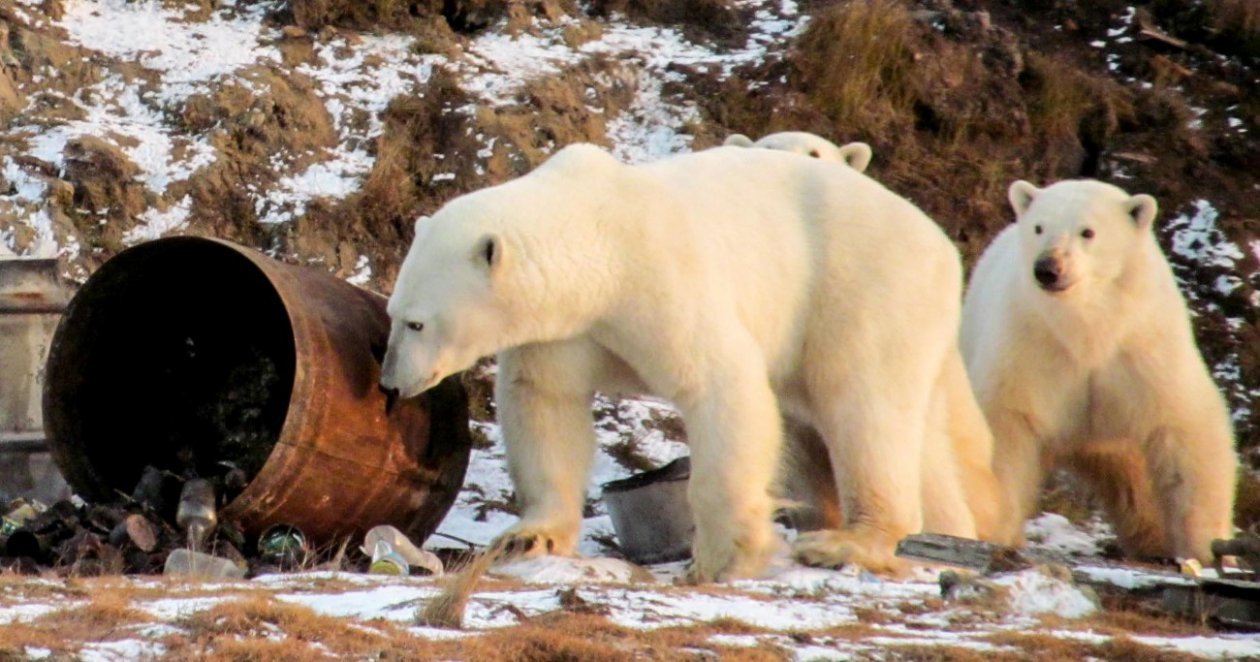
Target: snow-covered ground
355	76
793	611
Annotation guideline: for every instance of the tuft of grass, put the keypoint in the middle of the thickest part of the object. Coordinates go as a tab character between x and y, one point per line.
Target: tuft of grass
106	614
627	452
855	62
1071	114
447	609
1054	649
287	631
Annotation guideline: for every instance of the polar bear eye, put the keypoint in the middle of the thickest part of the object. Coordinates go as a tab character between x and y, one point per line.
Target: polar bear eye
815	153
1087	233
1037	229
415	326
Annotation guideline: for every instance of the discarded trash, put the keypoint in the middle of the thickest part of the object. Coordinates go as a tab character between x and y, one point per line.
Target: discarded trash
402	545
134	529
283	545
156	490
196	564
387	561
651	515
196	514
259	379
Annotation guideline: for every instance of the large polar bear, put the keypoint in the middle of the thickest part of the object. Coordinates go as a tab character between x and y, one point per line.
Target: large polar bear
1080	348
856	155
742	285
809	479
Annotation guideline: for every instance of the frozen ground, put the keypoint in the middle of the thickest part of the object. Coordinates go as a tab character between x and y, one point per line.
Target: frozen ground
793	612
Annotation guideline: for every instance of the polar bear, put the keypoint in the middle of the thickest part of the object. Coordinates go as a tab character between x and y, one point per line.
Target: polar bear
808	481
856	155
743	285
1080	349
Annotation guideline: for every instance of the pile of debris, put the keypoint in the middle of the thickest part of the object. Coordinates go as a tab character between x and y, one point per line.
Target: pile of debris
149	532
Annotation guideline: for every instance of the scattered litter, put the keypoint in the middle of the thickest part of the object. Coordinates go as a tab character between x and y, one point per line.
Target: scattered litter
397	544
196	564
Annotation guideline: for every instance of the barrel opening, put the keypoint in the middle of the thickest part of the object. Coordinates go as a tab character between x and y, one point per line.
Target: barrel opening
177	354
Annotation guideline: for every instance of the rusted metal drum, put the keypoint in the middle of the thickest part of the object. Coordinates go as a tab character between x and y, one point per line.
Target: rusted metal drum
32	297
201	357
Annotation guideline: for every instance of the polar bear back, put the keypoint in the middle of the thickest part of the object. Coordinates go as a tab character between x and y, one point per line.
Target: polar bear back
756	230
771	225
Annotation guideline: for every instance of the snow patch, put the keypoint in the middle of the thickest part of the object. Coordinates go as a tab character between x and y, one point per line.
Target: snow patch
1054	531
1196	237
155	224
569	570
1035	593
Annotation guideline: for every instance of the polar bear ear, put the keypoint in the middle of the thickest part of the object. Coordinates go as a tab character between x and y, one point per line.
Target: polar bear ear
738	140
420	222
1143	209
489	252
1021	195
857	155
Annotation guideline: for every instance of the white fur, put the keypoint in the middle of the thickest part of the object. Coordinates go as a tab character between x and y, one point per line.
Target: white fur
856	155
741	284
1102	377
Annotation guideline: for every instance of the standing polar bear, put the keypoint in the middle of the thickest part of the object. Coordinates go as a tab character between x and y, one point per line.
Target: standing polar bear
1080	348
856	155
743	285
809	478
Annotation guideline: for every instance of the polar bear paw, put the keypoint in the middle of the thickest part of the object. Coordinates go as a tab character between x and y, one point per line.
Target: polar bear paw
834	549
533	540
715	559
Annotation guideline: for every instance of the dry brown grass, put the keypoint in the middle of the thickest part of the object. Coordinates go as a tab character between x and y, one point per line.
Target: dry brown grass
1121	622
105	615
1053	649
14	637
1071	113
261	627
447	609
855	62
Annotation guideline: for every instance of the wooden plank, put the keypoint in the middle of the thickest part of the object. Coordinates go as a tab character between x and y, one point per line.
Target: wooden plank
973	554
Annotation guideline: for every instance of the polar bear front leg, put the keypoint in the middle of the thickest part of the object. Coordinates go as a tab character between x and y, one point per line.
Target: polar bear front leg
735	432
1018	465
544	408
1195	476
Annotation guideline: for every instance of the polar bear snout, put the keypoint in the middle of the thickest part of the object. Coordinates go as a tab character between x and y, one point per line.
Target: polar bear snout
1050	273
391	398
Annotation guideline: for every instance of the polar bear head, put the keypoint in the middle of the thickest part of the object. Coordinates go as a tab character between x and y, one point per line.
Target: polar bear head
1078	231
471	284
444	305
856	155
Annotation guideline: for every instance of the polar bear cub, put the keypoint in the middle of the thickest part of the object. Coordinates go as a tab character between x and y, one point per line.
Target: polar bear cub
856	155
1081	352
743	285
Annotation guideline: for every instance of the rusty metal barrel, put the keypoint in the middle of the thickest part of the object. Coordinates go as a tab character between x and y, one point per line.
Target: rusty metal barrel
194	355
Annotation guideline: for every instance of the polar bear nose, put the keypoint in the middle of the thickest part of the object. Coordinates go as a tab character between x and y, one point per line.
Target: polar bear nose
391	398
1047	271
